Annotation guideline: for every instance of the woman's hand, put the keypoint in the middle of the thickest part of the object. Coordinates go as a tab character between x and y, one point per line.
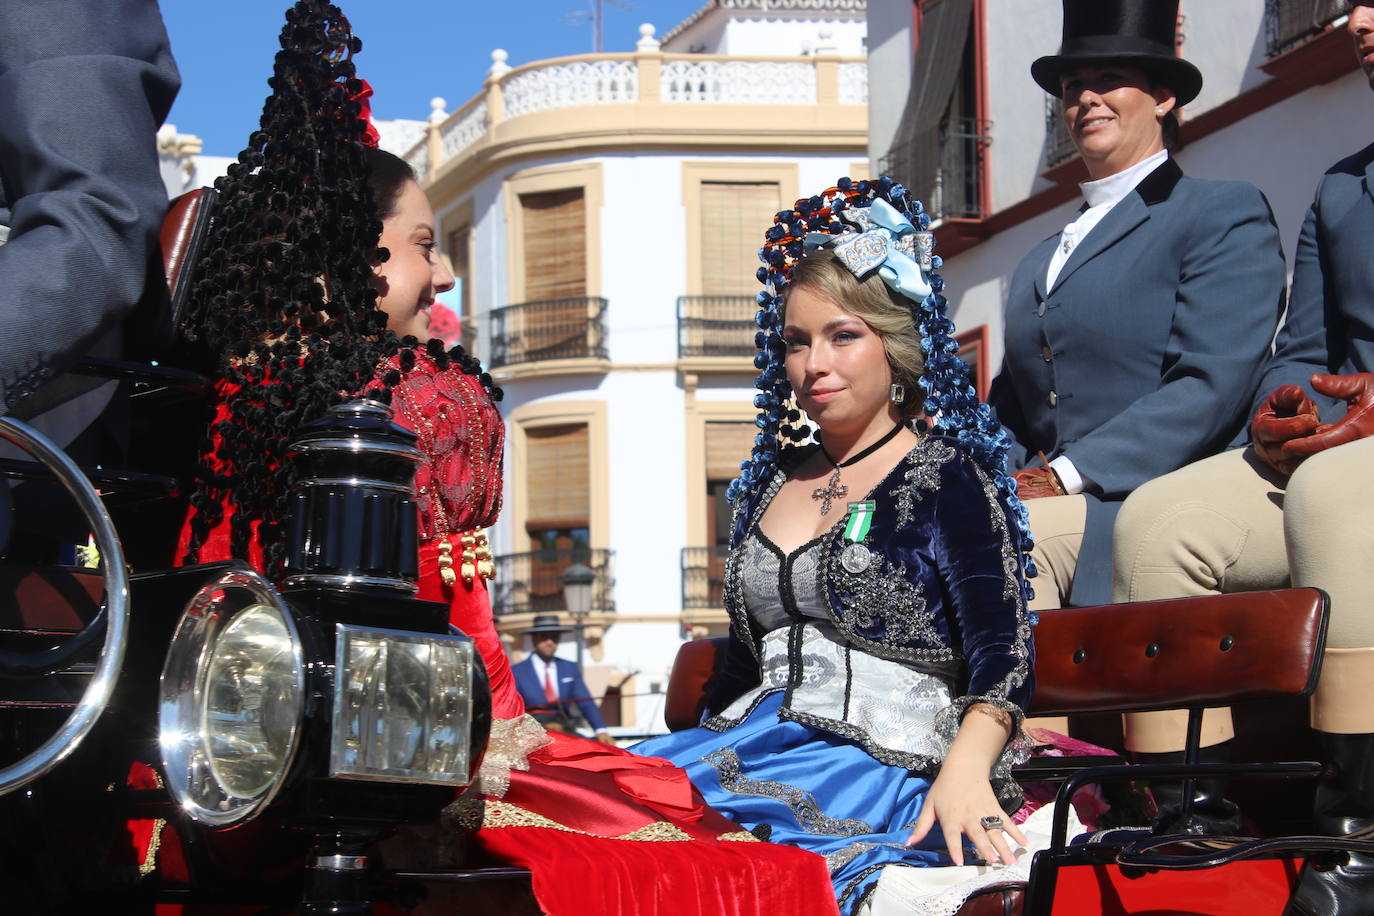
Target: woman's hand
962	795
959	800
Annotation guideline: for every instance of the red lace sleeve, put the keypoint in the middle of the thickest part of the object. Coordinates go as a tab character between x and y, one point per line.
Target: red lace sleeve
458	482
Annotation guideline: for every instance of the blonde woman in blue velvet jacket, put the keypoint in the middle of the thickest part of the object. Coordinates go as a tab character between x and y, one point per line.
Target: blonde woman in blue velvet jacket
880	658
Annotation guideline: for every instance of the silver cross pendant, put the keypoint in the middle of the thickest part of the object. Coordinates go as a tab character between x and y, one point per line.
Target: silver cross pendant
832	490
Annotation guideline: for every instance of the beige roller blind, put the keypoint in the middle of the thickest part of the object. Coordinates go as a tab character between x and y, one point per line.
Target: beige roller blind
556	480
734	216
555	240
727	444
458	256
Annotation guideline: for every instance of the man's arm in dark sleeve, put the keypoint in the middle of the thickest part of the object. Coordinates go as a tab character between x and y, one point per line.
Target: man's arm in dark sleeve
583	698
84	86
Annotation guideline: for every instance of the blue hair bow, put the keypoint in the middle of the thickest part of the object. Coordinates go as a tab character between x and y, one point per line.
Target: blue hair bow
885	240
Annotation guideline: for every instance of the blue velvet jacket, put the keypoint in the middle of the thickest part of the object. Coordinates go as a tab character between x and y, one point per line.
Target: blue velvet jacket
942	594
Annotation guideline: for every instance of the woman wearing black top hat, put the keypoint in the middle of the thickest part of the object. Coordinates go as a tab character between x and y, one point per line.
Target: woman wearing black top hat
1134	337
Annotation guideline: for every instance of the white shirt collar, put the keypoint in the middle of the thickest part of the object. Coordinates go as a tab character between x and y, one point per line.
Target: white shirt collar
1110	190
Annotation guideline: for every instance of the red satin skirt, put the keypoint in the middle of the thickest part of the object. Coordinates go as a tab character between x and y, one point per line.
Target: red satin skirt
609	832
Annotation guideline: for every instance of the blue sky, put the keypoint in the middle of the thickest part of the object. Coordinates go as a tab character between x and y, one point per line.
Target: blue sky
412	51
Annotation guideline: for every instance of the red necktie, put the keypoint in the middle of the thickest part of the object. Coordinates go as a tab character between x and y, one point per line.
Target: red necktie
550	689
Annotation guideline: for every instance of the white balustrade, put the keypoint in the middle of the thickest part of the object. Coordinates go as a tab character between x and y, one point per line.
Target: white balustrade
418	157
599	82
739	82
854	84
461	132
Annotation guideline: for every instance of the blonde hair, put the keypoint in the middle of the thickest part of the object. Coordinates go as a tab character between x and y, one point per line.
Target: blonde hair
871	301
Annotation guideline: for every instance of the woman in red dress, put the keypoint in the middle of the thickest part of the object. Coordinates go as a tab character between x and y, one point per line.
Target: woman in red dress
299	305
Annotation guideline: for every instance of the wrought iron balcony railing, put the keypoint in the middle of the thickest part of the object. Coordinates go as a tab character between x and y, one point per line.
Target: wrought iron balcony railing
1058	142
703	577
554	329
715	325
1288	23
944	168
534	581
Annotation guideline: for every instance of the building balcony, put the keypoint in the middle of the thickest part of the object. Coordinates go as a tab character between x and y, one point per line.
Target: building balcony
945	168
555	329
703	592
1289	23
645	98
528	583
1059	146
709	326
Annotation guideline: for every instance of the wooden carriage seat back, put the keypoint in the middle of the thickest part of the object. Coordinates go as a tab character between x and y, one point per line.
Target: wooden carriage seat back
1185	652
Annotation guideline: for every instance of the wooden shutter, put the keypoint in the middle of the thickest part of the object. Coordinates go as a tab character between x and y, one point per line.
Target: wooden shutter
727	444
557	477
458	256
555	240
734	217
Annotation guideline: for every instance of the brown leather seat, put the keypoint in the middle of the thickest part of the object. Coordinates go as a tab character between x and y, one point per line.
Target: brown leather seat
1184	653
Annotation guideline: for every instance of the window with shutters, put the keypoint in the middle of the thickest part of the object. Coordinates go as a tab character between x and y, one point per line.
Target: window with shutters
940	148
460	325
729	206
734	216
554	226
558	516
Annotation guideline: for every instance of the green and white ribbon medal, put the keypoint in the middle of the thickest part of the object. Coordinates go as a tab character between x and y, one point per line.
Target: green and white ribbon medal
855	557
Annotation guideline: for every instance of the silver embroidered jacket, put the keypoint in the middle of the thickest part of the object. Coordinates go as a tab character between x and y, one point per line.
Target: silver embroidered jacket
939	602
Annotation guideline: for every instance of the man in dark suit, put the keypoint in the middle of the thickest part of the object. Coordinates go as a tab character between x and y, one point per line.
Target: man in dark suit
1296	505
84	86
552	687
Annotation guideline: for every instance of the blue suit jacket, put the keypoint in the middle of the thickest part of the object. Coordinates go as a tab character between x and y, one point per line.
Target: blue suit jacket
84	85
1146	353
572	690
1330	325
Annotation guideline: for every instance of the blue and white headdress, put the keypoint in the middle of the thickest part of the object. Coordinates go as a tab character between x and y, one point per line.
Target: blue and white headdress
871	226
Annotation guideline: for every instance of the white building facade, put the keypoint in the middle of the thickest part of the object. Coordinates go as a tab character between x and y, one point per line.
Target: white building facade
1282	100
602	213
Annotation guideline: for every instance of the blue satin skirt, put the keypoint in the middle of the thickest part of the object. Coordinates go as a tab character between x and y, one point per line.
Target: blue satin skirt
808	788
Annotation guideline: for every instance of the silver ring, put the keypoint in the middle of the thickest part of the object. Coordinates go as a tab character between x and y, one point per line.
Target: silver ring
992	822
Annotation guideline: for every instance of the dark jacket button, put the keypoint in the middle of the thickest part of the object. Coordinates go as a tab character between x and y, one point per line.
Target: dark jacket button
1040	310
1046	353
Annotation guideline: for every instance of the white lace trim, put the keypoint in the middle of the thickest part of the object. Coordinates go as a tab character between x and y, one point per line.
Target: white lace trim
509	748
906	890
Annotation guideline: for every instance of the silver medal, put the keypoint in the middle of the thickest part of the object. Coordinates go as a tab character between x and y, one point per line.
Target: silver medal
855	558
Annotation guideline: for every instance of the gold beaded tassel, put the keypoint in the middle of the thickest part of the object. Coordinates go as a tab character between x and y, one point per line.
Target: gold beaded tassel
446	562
469	568
486	568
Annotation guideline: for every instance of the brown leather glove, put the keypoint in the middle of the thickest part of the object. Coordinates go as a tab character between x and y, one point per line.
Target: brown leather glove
1357	390
1033	483
1287	414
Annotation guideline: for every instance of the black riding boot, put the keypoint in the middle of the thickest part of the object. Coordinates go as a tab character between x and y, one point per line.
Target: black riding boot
1344	805
1213	813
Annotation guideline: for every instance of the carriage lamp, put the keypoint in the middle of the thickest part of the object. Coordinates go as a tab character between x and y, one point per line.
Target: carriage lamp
232	699
339	677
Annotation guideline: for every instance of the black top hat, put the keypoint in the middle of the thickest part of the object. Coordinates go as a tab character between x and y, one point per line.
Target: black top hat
546	623
1136	33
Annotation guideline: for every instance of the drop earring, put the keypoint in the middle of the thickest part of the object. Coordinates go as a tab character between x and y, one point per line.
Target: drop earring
897	394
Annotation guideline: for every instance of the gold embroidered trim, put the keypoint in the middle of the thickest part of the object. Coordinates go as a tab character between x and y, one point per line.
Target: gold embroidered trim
501	814
739	836
149	863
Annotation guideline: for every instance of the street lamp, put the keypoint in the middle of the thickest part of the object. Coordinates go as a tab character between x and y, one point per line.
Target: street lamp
577	596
